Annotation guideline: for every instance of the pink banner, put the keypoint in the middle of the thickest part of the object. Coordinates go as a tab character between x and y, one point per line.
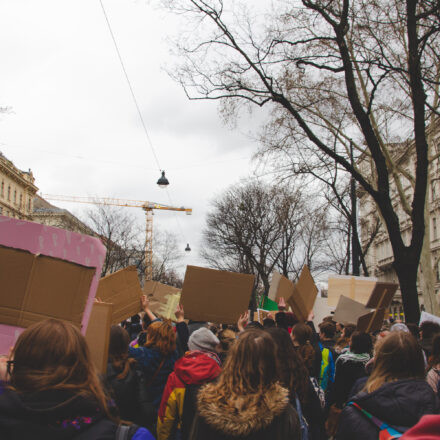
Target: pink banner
54	242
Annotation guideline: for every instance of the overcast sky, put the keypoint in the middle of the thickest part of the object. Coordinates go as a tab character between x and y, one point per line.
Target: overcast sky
73	121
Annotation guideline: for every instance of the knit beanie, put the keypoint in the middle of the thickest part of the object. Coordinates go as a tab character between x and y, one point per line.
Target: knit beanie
399	327
203	339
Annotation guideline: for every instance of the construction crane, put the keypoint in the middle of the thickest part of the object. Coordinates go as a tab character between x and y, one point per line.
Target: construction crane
148	207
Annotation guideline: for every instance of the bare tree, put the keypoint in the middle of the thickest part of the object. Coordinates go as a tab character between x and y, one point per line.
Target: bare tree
121	234
359	71
258	228
166	258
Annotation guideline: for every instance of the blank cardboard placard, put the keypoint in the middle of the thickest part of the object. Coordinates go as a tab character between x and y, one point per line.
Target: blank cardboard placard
382	295
123	290
280	287
304	295
214	295
161	297
57	243
98	334
320	310
371	322
37	287
348	311
357	288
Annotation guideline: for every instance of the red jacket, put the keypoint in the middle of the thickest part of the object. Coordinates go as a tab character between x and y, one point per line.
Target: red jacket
195	368
428	428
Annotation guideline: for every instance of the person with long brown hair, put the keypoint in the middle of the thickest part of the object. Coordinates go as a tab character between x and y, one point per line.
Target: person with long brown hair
396	393
247	401
294	375
123	378
302	337
157	357
54	391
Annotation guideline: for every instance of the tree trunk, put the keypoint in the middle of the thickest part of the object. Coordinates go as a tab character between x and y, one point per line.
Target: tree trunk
406	271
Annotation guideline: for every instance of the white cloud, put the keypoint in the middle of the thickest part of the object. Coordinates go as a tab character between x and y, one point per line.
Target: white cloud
74	122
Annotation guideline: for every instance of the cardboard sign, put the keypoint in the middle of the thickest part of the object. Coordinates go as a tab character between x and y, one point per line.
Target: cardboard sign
280	287
357	288
214	295
382	295
98	334
162	298
348	311
304	295
45	272
321	309
425	316
371	322
123	290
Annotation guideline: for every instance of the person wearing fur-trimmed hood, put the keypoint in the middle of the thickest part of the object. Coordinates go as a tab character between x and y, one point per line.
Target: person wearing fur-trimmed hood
246	402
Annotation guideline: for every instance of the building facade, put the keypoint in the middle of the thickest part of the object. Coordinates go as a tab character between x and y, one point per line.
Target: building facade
48	214
17	190
379	257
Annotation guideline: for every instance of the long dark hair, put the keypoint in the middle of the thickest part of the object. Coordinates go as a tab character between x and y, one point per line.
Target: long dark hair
53	355
118	351
292	371
249	367
303	335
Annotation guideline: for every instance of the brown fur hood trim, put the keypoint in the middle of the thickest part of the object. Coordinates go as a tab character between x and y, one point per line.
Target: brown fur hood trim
241	415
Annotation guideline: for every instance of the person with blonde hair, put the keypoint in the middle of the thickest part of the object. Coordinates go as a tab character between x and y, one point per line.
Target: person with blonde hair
395	396
246	401
53	390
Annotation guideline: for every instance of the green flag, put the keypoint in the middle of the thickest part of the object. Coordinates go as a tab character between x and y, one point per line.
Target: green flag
268	304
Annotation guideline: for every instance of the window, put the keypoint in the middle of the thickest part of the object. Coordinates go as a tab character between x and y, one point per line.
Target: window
434	228
29	205
9	192
433	191
1	210
21	200
3	189
15	196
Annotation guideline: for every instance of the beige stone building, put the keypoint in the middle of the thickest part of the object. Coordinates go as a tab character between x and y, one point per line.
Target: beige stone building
48	214
19	199
17	190
379	258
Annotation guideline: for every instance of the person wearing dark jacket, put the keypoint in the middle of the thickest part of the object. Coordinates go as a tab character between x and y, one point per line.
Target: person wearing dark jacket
158	356
293	375
54	392
198	366
122	377
396	393
246	401
350	366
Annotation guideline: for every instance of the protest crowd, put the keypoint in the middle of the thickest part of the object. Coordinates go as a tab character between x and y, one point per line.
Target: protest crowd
80	368
279	379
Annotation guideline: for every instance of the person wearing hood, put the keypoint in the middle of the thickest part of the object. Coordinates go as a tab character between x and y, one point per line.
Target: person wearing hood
394	397
350	366
246	401
200	365
54	392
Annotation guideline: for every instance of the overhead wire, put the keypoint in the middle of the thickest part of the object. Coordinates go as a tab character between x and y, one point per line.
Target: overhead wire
130	86
136	103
